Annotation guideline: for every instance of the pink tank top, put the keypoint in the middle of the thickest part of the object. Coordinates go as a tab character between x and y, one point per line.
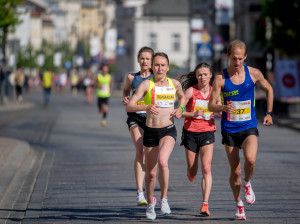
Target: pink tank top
203	123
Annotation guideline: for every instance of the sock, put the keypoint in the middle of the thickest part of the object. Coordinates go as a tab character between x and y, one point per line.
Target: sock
245	183
204	201
104	115
240	203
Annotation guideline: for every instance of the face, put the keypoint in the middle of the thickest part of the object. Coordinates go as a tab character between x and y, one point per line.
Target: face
203	75
144	60
105	69
237	58
160	66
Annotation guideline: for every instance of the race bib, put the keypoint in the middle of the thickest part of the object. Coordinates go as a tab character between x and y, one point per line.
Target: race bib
203	105
242	111
164	96
141	102
104	88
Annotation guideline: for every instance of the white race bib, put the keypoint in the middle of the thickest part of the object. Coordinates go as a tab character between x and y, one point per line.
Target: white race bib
242	111
104	88
165	96
203	105
141	102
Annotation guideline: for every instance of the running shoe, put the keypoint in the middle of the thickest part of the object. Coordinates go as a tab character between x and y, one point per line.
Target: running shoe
249	194
164	206
141	198
150	212
103	123
204	209
240	213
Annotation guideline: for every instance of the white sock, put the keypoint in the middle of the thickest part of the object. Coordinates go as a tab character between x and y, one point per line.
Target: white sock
240	203
245	183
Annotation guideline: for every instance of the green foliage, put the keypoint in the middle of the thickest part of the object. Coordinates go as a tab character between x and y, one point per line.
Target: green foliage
26	57
284	18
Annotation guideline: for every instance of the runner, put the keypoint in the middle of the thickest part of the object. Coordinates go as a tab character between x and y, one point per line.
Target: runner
160	132
136	120
104	86
239	123
198	131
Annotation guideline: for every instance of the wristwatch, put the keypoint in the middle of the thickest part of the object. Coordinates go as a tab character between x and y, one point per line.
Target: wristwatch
269	113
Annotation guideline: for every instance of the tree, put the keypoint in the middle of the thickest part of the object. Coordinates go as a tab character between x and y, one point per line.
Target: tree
279	26
9	18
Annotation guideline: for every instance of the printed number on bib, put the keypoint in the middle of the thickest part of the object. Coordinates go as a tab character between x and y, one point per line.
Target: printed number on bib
242	111
141	102
164	96
105	88
202	105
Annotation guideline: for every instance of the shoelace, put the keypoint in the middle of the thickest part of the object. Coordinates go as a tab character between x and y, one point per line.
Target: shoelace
240	209
205	206
247	189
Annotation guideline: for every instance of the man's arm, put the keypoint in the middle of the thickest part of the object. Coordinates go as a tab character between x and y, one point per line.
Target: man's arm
265	85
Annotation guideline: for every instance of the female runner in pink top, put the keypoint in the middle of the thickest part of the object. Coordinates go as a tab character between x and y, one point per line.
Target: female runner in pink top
199	126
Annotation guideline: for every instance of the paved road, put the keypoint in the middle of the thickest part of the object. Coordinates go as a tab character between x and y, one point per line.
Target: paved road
81	172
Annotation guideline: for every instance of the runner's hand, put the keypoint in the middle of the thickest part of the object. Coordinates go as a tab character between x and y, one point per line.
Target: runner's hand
198	113
229	108
153	109
177	113
125	100
268	121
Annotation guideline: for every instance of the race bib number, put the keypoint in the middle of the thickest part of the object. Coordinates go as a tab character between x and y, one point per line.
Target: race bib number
141	102
164	96
242	111
105	88
203	105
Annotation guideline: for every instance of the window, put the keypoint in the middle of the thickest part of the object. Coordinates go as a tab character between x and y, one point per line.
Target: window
153	41
175	42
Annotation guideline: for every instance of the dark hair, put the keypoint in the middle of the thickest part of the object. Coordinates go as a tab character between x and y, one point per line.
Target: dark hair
161	54
190	79
236	44
145	49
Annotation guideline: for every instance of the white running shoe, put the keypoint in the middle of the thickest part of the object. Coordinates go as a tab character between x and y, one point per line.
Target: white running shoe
249	194
240	213
165	208
140	198
150	212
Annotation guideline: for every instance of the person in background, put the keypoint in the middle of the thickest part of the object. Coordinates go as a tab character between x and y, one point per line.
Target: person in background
239	124
47	84
19	82
104	85
136	120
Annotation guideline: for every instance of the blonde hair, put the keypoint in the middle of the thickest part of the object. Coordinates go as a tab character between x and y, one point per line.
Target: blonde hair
236	44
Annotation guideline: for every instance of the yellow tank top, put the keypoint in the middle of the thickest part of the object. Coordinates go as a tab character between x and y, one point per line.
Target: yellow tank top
104	82
162	95
47	79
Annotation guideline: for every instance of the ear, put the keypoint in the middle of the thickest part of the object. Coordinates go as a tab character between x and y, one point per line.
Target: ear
245	57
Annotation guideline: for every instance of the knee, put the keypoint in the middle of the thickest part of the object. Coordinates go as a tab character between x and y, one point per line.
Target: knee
139	155
236	173
206	170
151	175
250	161
163	164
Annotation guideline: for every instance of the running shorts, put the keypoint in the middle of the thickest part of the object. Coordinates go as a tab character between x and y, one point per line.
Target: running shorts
152	136
194	140
237	139
102	101
136	119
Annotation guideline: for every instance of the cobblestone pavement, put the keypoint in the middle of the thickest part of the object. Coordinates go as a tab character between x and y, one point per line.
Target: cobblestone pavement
83	173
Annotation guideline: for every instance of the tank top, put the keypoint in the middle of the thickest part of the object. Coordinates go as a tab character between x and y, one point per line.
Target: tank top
137	80
104	82
202	123
162	95
243	100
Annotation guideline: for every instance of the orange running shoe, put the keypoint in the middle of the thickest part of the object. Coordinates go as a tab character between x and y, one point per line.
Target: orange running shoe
204	209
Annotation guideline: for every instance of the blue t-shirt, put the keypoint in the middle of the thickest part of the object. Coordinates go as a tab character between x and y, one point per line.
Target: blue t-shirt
243	97
137	80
